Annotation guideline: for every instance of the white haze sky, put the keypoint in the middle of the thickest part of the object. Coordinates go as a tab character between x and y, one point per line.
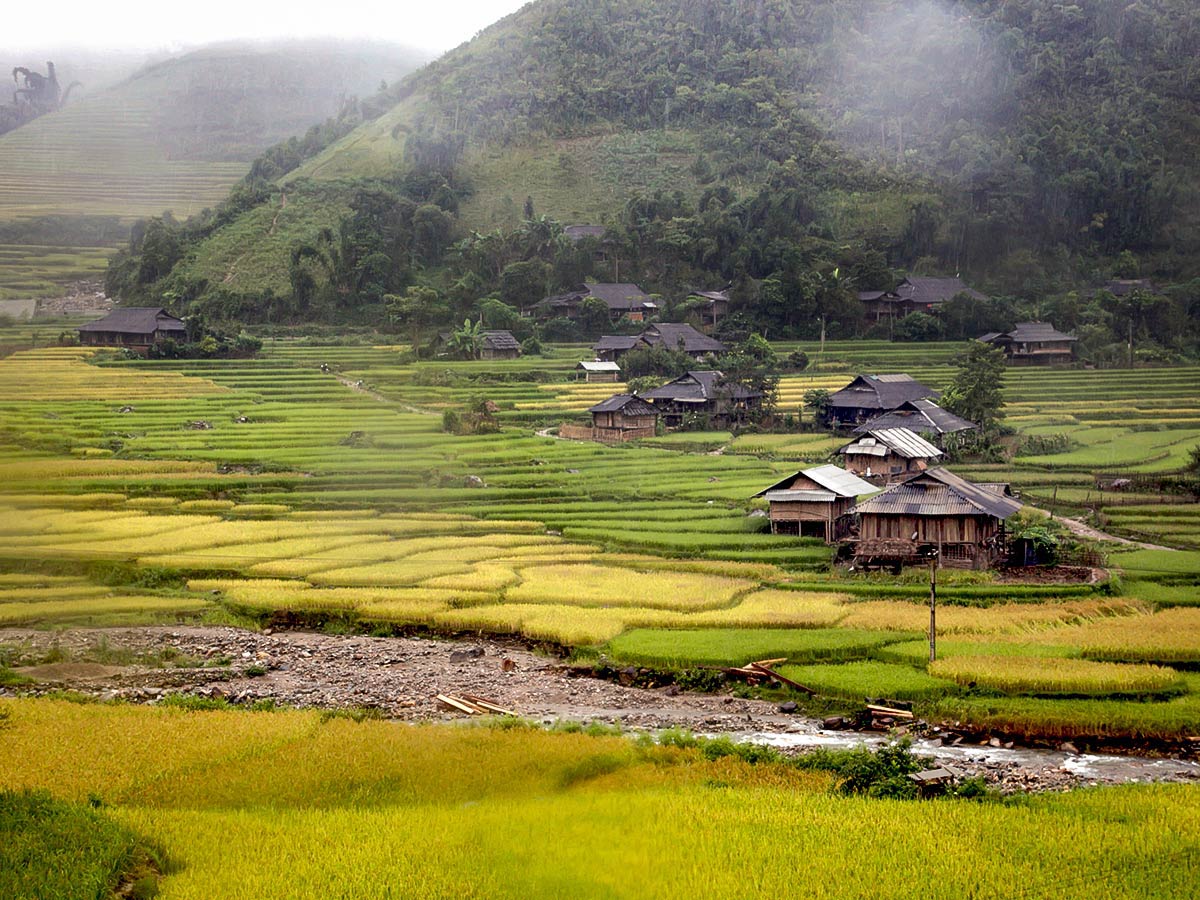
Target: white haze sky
177	24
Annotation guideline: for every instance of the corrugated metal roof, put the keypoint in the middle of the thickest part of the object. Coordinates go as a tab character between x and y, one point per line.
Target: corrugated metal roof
907	443
801	496
868	446
938	492
838	480
598	365
831	477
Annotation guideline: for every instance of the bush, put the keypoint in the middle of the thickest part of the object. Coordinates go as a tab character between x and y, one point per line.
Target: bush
880	773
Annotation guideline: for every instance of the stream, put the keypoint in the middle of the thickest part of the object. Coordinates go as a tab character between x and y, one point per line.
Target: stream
1019	767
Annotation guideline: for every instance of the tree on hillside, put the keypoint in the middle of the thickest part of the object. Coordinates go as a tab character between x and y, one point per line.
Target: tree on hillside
417	307
976	391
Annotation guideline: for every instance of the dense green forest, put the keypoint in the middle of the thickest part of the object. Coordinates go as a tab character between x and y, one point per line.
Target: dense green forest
795	151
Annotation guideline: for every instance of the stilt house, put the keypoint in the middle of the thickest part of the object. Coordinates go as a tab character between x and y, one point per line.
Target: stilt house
933	510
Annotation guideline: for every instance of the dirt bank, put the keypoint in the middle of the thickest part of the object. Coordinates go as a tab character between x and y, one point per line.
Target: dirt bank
402	676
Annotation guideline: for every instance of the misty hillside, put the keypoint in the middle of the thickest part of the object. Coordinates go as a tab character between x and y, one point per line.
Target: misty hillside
1024	143
179	133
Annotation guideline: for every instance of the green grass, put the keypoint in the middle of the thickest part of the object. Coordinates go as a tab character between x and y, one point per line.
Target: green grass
681	649
53	849
870	678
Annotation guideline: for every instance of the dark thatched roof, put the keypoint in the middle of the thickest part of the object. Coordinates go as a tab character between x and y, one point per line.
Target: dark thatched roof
700	387
616	342
136	320
938	492
620	295
672	334
1034	333
626	403
921	416
926	290
881	392
500	340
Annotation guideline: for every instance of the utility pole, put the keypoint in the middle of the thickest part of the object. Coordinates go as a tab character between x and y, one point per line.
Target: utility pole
933	565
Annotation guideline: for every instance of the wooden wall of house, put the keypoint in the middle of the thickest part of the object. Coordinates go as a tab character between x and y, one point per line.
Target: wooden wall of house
929	529
617	420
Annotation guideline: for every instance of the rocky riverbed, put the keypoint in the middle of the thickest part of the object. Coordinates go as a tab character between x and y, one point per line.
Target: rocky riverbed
402	677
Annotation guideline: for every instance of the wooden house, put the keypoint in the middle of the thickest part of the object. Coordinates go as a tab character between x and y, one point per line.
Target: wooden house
917	293
921	416
1034	344
714	307
704	393
599	371
933	510
672	335
135	327
623	417
811	502
888	454
868	396
682	337
622	300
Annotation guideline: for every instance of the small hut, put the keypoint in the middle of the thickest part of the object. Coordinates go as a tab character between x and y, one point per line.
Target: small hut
623	417
888	454
499	345
810	502
599	371
933	510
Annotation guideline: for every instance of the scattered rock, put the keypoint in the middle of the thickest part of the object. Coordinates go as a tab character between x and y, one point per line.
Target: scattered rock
466	655
788	707
1068	747
474	481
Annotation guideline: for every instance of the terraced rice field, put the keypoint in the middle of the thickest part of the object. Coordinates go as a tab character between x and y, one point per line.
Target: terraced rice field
29	271
121	169
268	488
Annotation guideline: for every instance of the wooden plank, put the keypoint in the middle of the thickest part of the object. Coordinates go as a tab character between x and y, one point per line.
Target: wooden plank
888	711
460	704
488	705
782	679
769	662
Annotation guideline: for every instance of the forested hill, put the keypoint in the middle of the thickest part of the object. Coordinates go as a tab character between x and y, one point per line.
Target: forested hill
1024	143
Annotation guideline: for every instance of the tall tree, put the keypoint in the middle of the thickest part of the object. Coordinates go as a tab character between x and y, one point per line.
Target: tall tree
977	390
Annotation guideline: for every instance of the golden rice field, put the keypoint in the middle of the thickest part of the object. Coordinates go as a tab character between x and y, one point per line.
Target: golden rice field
286	804
1054	675
62	373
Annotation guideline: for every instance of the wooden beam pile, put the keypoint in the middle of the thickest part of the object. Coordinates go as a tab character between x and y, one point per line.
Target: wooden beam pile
472	705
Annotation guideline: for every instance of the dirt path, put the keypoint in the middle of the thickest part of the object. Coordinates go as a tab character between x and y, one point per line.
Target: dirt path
1084	530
